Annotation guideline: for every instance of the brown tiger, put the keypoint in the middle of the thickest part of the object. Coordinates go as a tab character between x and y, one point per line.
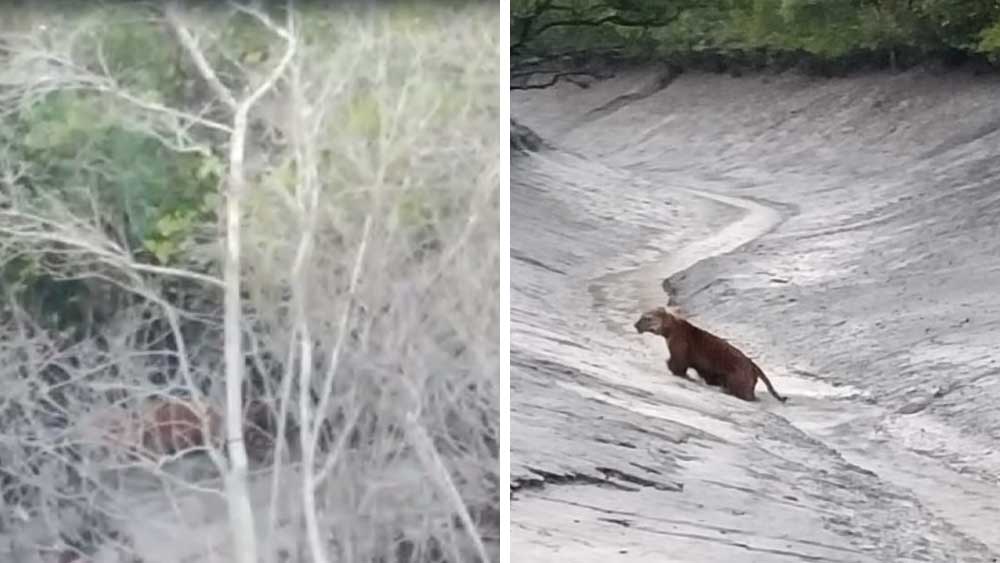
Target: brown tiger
718	362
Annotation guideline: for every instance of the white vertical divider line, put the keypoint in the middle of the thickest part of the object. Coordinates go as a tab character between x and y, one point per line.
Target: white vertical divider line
504	212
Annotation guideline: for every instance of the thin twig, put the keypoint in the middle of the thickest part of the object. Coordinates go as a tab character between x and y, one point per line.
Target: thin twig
342	327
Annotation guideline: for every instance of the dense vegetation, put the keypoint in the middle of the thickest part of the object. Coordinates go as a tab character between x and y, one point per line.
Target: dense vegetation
827	36
358	142
80	138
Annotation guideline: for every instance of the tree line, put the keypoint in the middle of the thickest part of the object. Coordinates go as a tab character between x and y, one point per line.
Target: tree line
829	37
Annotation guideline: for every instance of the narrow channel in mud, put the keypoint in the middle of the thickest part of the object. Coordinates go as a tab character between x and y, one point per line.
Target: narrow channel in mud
811	223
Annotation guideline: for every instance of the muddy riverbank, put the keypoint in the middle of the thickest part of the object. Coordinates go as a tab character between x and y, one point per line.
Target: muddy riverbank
844	233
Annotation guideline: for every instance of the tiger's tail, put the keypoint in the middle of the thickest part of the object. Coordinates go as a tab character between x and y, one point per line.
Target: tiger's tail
767	382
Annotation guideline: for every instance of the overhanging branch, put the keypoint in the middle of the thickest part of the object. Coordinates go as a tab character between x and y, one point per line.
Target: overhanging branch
615	19
525	28
529	61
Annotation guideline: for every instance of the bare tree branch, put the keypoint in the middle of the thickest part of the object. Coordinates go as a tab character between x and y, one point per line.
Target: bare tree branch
286	33
615	19
243	525
546	16
190	44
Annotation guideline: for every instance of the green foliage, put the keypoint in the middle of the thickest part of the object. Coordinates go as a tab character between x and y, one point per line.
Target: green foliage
139	53
364	116
78	149
72	139
92	150
958	23
989	42
822	30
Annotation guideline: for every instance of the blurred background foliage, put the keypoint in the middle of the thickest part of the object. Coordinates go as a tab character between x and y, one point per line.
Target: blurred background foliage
829	37
161	202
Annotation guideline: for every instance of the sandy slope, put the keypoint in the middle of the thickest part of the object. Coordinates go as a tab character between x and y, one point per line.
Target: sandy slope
844	233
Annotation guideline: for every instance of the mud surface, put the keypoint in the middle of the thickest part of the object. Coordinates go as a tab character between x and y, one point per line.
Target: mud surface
844	233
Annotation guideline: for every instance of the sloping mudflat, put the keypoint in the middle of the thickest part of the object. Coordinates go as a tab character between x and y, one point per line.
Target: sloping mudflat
845	233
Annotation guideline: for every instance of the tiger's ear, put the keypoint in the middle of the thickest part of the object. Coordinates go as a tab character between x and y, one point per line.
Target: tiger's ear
674	311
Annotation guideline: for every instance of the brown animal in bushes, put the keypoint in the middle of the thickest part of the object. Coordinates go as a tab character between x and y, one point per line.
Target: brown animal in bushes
718	362
172	426
159	427
169	426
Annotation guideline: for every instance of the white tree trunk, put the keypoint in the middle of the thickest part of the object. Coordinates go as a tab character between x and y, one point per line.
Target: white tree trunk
241	517
240	510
